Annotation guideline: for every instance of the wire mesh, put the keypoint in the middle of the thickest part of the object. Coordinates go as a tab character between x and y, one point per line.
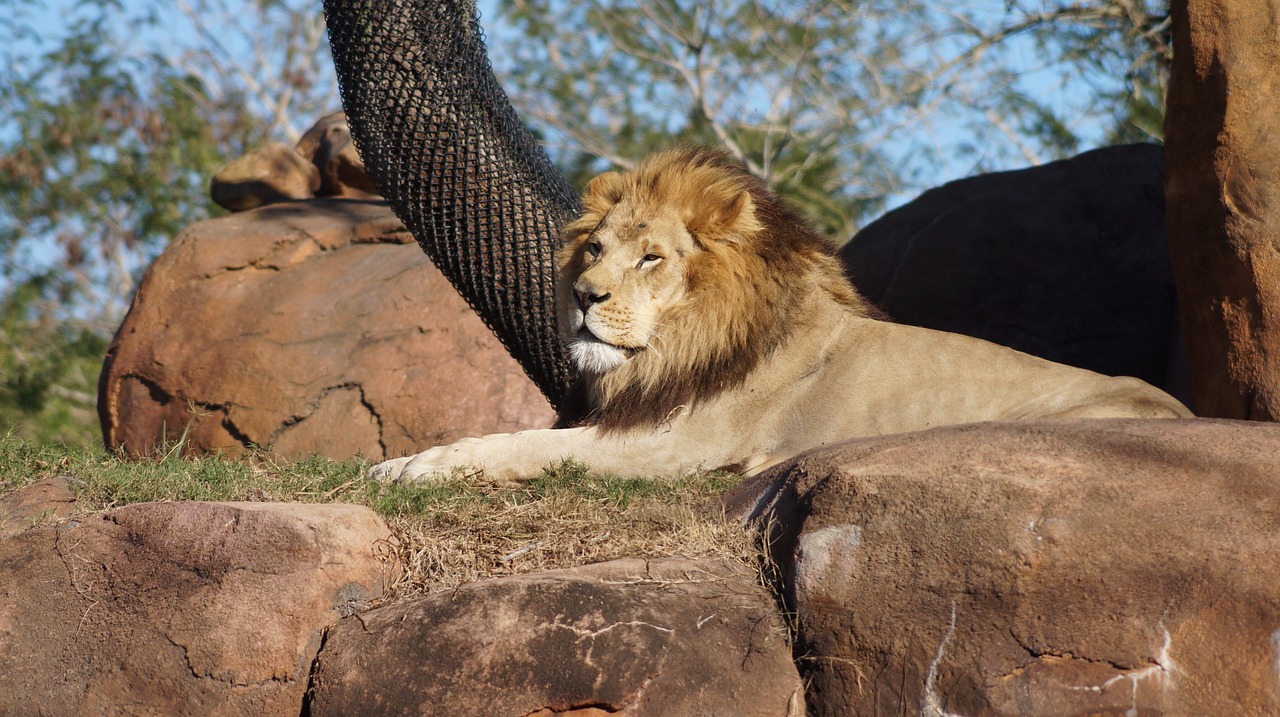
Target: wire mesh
439	137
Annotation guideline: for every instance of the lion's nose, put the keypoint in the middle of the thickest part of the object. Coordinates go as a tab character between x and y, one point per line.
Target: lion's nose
587	297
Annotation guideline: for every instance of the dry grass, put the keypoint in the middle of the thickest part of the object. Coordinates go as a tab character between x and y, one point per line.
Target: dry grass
567	518
447	533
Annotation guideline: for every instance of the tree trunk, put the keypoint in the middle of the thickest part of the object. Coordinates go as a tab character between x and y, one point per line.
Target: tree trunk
1222	186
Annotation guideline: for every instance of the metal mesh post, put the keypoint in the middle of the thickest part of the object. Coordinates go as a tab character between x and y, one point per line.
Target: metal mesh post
442	142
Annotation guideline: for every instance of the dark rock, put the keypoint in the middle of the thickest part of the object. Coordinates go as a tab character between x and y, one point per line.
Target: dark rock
1066	261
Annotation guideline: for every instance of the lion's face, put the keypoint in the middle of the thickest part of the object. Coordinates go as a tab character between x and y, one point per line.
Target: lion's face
677	280
619	280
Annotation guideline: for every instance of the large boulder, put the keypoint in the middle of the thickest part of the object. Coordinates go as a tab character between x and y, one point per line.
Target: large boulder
180	608
1037	568
637	637
1066	261
1222	137
309	327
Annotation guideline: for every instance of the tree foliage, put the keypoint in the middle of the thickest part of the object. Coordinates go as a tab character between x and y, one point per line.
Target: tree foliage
116	116
843	106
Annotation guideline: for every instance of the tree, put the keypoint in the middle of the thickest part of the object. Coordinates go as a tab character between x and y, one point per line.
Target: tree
842	106
107	155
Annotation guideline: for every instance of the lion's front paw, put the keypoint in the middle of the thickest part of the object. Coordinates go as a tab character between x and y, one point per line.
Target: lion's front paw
389	471
439	463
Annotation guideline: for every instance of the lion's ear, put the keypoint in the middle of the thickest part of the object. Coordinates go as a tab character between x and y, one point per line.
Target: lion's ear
603	192
727	216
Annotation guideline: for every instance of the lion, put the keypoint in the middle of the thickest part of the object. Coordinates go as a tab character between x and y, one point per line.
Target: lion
714	329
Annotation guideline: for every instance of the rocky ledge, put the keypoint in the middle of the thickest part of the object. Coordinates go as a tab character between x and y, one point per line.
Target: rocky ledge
1038	568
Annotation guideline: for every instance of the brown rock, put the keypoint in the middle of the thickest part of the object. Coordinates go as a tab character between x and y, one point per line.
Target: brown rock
180	608
1038	568
329	147
1222	138
35	504
1066	261
632	637
315	327
272	173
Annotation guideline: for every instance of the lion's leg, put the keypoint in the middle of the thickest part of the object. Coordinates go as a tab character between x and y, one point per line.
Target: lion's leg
516	457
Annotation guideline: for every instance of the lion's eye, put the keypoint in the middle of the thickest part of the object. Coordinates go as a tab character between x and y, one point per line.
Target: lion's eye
649	259
594	248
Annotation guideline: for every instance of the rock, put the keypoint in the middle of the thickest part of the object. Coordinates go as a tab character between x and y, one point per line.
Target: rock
1221	139
636	637
1035	568
180	608
1066	261
35	504
328	146
312	327
272	173
324	163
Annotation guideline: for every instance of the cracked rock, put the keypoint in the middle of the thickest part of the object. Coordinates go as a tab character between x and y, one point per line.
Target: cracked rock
309	327
180	608
628	637
1116	567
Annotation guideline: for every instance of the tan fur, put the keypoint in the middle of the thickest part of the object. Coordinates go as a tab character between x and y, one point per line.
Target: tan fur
714	328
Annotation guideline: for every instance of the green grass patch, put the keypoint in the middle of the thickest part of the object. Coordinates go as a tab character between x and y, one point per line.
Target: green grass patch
621	492
449	532
105	480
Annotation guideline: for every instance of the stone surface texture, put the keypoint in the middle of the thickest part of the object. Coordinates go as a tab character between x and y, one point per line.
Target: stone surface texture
1067	261
1222	139
1039	568
309	327
180	608
36	504
629	637
271	173
329	147
324	163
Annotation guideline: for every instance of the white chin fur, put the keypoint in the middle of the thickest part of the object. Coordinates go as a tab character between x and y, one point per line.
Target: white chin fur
594	356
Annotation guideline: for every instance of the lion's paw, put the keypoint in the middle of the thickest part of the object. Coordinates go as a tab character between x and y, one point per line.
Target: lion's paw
389	471
439	463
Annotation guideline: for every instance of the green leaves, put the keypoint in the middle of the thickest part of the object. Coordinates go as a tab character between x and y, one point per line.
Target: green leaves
117	114
48	372
843	107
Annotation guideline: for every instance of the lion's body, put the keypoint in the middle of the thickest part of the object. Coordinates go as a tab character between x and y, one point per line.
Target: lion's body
713	329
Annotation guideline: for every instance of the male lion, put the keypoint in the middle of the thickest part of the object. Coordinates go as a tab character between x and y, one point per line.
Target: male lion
713	328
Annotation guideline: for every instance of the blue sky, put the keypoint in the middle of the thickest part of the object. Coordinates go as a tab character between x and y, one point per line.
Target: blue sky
1048	84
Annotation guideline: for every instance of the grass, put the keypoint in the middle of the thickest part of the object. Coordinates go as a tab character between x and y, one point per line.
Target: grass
448	533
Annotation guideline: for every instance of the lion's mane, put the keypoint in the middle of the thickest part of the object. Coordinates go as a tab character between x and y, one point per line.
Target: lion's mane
759	261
